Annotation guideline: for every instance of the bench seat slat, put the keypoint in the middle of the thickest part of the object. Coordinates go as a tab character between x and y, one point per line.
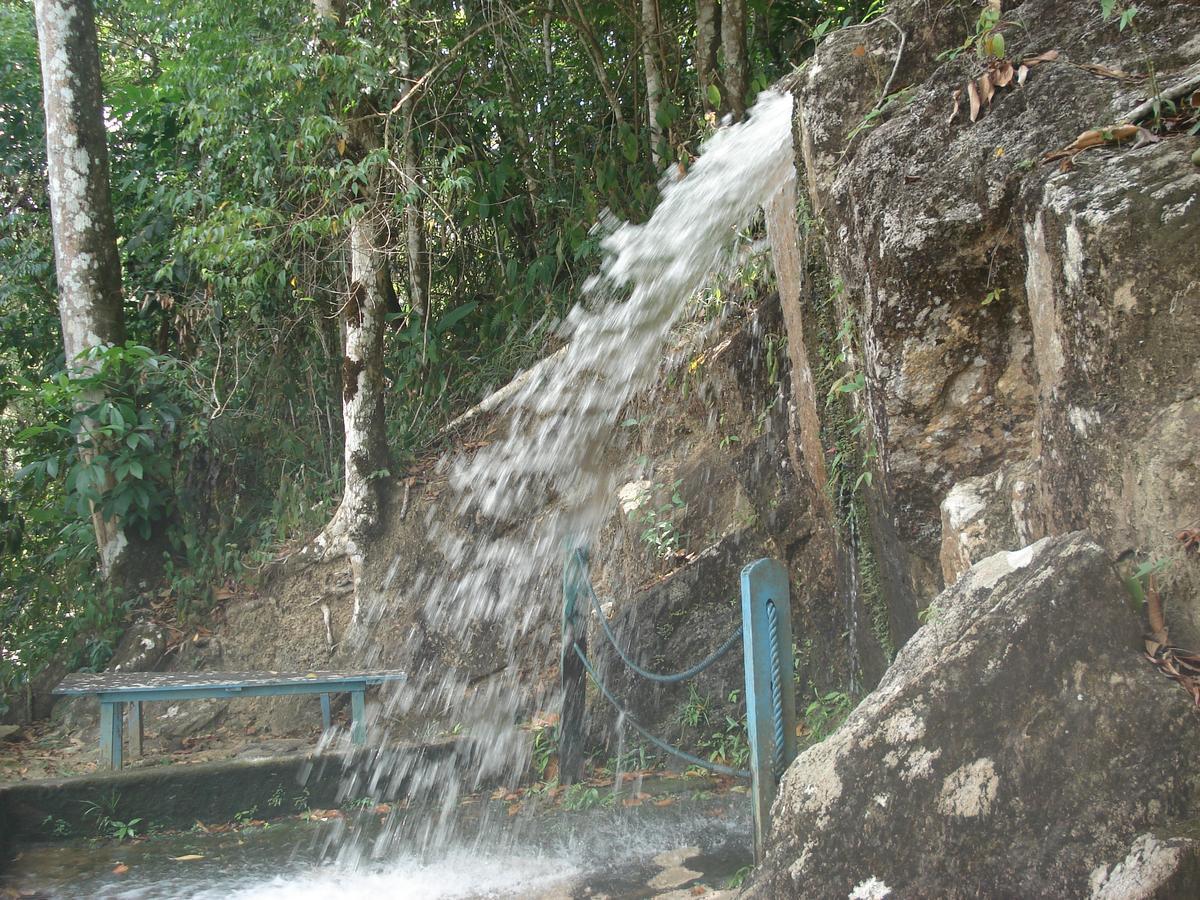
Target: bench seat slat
182	685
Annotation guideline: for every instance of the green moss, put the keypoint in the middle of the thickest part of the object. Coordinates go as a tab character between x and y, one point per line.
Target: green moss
844	427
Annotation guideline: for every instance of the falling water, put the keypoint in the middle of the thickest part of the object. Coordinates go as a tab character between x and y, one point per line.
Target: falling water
516	506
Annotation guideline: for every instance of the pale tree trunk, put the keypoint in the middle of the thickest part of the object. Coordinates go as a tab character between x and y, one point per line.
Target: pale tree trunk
707	23
651	53
597	58
85	247
733	43
414	213
363	322
548	64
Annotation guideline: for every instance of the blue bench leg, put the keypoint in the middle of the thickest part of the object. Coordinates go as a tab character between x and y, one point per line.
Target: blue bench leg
326	719
137	731
111	715
358	718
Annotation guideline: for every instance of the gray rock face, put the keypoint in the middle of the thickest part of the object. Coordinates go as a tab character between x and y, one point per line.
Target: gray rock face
1010	312
1017	747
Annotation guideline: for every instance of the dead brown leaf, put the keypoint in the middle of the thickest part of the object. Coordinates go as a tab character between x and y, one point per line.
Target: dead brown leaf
120	869
973	93
1003	74
986	89
859	51
957	99
1048	56
1105	72
1094	137
1190	538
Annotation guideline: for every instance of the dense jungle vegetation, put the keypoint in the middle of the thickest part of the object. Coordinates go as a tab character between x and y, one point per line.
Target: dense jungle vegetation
247	142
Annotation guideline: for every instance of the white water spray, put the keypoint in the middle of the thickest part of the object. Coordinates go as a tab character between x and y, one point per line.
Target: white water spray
547	484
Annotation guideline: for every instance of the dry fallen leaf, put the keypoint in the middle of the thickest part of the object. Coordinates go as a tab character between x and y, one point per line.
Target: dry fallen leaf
1003	74
187	857
986	88
1022	74
1105	72
973	92
957	99
860	50
120	869
1048	56
1094	137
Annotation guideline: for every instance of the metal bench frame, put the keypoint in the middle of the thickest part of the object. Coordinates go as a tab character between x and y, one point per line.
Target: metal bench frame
118	690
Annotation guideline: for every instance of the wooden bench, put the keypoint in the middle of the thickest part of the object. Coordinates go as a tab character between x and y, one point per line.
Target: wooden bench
117	690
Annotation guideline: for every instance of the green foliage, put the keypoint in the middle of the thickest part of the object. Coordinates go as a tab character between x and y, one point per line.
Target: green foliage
105	811
56	827
1137	580
739	878
660	533
851	467
581	796
987	40
696	710
235	180
109	433
1123	13
545	748
825	714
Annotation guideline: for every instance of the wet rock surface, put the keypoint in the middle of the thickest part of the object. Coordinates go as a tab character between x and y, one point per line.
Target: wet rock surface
1018	746
1012	312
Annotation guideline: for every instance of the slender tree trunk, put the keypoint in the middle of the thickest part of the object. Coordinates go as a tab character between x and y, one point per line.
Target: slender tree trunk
733	43
651	54
597	58
708	20
547	129
414	213
366	456
85	247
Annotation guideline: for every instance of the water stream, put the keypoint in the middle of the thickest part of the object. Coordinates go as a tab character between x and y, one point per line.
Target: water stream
542	487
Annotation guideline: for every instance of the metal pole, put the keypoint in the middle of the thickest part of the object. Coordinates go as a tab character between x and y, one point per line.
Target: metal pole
770	686
571	671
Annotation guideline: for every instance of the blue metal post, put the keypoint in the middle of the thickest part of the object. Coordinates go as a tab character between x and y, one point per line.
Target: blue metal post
770	688
326	716
137	731
358	716
111	716
571	672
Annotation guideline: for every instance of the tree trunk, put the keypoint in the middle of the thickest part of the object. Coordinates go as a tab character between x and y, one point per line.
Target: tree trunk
733	43
597	58
707	25
414	213
366	456
651	53
85	247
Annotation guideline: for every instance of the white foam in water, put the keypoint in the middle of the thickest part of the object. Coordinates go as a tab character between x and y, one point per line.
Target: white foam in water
456	877
544	485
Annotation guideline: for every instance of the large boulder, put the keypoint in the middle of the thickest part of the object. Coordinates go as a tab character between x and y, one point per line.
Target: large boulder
1019	746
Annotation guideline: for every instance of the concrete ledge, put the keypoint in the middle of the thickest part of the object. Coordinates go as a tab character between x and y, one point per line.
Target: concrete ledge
176	796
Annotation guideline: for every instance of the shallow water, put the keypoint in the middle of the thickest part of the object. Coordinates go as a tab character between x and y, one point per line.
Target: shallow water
617	853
